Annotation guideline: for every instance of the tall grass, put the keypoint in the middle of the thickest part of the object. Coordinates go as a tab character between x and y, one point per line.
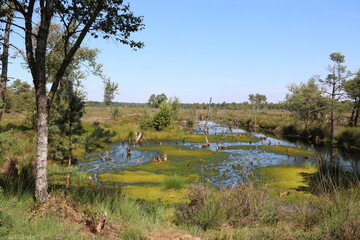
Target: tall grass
251	213
173	182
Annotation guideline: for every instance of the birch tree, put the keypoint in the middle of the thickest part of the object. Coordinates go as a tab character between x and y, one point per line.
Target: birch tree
80	18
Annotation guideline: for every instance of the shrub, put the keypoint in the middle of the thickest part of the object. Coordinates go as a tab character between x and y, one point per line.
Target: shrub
160	121
189	124
115	114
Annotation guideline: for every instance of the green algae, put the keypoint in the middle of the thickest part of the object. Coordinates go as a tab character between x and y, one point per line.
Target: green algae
199	138
132	177
285	179
182	160
246	147
147	181
278	149
286	150
181	152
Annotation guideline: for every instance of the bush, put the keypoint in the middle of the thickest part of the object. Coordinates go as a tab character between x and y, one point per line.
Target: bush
189	124
160	121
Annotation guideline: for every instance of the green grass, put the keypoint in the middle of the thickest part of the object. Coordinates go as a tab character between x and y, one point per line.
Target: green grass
173	182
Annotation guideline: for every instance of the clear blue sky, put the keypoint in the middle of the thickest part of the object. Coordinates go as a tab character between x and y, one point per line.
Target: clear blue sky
227	49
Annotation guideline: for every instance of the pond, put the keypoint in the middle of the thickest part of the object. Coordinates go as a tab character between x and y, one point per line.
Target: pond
232	155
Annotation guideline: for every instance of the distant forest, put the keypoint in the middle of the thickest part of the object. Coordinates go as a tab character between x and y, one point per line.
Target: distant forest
223	105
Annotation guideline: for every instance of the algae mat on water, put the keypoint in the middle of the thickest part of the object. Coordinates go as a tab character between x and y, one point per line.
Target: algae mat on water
285	178
199	138
147	181
278	149
181	159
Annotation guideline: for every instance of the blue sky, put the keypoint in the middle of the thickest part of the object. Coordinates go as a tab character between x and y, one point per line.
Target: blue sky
227	49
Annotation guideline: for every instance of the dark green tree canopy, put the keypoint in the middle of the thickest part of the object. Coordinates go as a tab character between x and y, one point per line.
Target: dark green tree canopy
156	100
306	102
257	99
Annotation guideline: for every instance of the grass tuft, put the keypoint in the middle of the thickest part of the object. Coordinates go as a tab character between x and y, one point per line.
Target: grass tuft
173	182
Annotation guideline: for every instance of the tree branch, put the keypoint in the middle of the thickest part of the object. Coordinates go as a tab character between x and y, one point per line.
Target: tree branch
74	48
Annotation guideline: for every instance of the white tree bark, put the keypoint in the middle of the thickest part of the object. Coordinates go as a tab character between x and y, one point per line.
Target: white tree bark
41	183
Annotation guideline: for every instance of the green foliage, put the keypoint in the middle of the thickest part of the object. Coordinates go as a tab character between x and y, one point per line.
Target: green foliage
160	121
65	125
189	124
115	114
110	90
98	138
257	99
156	100
19	97
306	102
352	88
10	145
175	107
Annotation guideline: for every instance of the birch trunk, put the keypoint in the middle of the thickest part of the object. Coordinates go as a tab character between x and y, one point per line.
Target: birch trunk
41	183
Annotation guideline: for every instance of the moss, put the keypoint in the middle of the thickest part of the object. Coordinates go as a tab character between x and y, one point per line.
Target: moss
199	138
132	177
182	160
285	178
278	149
247	147
285	150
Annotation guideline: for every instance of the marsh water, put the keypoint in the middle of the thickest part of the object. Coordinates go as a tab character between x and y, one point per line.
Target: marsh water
229	168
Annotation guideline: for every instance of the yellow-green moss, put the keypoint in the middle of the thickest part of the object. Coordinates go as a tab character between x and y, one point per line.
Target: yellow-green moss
284	178
278	149
132	177
285	150
219	138
181	160
181	151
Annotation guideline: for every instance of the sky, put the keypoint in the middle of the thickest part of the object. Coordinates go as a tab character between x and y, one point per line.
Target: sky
225	49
